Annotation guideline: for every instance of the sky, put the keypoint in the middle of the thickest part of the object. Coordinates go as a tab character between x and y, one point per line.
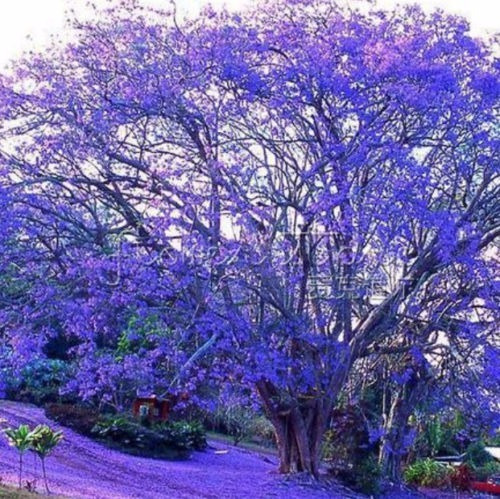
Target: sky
21	20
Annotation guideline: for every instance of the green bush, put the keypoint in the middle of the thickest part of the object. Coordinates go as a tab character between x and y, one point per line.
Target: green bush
493	440
476	455
158	440
39	381
183	434
347	440
129	436
440	435
427	473
486	471
482	464
232	420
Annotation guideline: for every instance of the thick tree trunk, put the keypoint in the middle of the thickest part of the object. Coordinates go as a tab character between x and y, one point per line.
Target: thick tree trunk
299	432
298	449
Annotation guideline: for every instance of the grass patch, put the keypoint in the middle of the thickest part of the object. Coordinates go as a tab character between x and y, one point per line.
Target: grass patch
13	493
244	444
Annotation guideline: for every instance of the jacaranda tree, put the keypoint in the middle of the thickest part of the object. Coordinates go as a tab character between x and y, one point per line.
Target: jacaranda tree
285	191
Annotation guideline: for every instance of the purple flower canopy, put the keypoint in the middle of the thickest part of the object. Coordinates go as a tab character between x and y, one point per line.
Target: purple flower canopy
265	200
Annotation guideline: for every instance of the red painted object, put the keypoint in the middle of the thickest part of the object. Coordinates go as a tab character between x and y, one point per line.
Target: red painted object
156	409
152	408
490	488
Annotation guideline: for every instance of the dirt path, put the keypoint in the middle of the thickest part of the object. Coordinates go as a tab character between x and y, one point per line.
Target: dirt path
81	468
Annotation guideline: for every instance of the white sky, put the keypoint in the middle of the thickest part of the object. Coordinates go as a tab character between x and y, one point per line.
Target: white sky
20	19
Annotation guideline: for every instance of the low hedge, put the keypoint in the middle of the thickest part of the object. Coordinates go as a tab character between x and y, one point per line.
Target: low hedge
176	439
169	440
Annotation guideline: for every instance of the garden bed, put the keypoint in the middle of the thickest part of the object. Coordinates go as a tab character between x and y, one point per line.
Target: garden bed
170	440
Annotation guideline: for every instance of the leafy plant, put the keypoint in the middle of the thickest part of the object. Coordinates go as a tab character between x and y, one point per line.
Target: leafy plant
441	435
41	380
486	471
427	473
262	431
476	455
347	440
184	434
179	436
436	436
480	462
21	438
44	440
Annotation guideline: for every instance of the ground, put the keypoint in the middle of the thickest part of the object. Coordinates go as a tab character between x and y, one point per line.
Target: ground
82	468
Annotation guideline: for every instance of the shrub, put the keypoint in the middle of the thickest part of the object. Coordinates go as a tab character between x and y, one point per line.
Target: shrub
174	440
240	423
127	432
232	420
476	455
262	431
183	434
80	418
486	471
39	381
482	465
347	441
427	472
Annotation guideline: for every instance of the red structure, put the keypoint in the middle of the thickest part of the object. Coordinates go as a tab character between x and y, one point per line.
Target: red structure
156	409
151	408
489	488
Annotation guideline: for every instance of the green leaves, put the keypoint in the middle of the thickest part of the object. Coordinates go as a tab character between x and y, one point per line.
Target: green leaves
427	473
178	436
21	438
44	440
40	440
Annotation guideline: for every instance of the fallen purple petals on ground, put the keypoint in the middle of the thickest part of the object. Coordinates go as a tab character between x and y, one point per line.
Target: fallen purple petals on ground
82	468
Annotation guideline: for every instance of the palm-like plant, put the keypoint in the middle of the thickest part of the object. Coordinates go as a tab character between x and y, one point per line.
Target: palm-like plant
43	442
21	438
